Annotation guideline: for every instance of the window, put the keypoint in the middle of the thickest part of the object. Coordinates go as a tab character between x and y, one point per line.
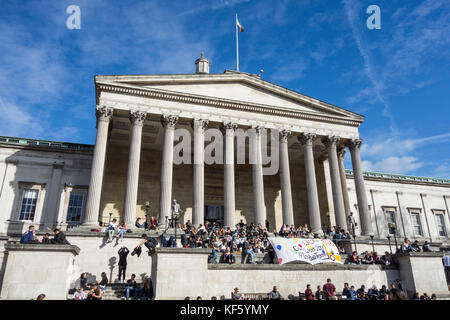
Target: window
390	220
28	207
416	226
440	222
75	207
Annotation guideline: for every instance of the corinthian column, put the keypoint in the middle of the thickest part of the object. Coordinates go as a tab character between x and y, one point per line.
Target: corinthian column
258	181
198	185
338	200
165	191
285	179
363	208
341	154
228	174
137	119
307	139
104	116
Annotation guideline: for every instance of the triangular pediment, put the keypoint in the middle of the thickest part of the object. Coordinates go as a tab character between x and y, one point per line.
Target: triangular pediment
238	87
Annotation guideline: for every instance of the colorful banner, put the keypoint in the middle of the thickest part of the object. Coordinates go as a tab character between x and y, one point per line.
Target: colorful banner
312	251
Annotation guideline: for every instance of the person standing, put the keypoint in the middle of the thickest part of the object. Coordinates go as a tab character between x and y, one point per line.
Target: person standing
244	253
123	254
308	293
329	290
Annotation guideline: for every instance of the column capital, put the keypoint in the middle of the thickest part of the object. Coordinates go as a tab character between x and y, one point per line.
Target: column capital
330	141
259	130
226	127
284	135
169	121
341	152
306	138
199	124
353	144
104	113
137	117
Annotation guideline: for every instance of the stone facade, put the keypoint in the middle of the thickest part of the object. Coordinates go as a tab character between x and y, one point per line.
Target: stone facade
132	163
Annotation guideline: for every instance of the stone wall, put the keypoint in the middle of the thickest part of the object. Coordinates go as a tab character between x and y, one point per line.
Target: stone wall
290	279
97	256
22	166
32	269
198	278
403	198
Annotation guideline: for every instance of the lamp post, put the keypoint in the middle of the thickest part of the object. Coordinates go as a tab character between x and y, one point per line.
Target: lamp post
373	247
392	227
110	216
147	208
329	220
395	239
354	238
174	220
389	240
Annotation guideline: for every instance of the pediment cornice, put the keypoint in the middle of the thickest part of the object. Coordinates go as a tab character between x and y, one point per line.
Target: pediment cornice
231	77
160	94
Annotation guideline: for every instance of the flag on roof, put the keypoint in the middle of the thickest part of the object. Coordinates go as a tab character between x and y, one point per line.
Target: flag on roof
241	28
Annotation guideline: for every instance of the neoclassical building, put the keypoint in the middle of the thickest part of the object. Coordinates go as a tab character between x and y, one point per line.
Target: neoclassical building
143	119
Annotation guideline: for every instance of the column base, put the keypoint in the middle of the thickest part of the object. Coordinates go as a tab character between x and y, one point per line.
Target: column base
319	233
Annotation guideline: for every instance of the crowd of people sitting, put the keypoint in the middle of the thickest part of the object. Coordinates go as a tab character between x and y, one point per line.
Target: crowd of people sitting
246	240
396	291
327	291
95	290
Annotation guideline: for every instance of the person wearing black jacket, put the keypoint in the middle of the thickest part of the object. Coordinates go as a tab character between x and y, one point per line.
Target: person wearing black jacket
149	242
123	254
132	287
46	239
245	246
59	238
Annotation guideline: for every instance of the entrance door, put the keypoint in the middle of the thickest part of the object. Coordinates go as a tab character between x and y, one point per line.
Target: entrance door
214	214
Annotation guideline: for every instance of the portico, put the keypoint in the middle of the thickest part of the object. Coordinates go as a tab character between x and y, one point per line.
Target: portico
138	120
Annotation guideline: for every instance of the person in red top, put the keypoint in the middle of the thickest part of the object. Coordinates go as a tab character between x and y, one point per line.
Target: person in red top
329	290
308	293
153	224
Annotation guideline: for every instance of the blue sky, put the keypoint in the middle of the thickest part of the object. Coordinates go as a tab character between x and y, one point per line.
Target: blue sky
397	77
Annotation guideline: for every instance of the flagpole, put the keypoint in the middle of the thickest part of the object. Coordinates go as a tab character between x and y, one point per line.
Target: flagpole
237	46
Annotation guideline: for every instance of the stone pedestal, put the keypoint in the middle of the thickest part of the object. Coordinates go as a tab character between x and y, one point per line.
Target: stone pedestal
32	269
422	272
179	272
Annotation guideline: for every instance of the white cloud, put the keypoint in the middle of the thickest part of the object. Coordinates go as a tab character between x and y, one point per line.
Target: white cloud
19	121
400	165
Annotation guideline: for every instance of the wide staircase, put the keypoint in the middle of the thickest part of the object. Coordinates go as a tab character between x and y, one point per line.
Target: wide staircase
114	291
